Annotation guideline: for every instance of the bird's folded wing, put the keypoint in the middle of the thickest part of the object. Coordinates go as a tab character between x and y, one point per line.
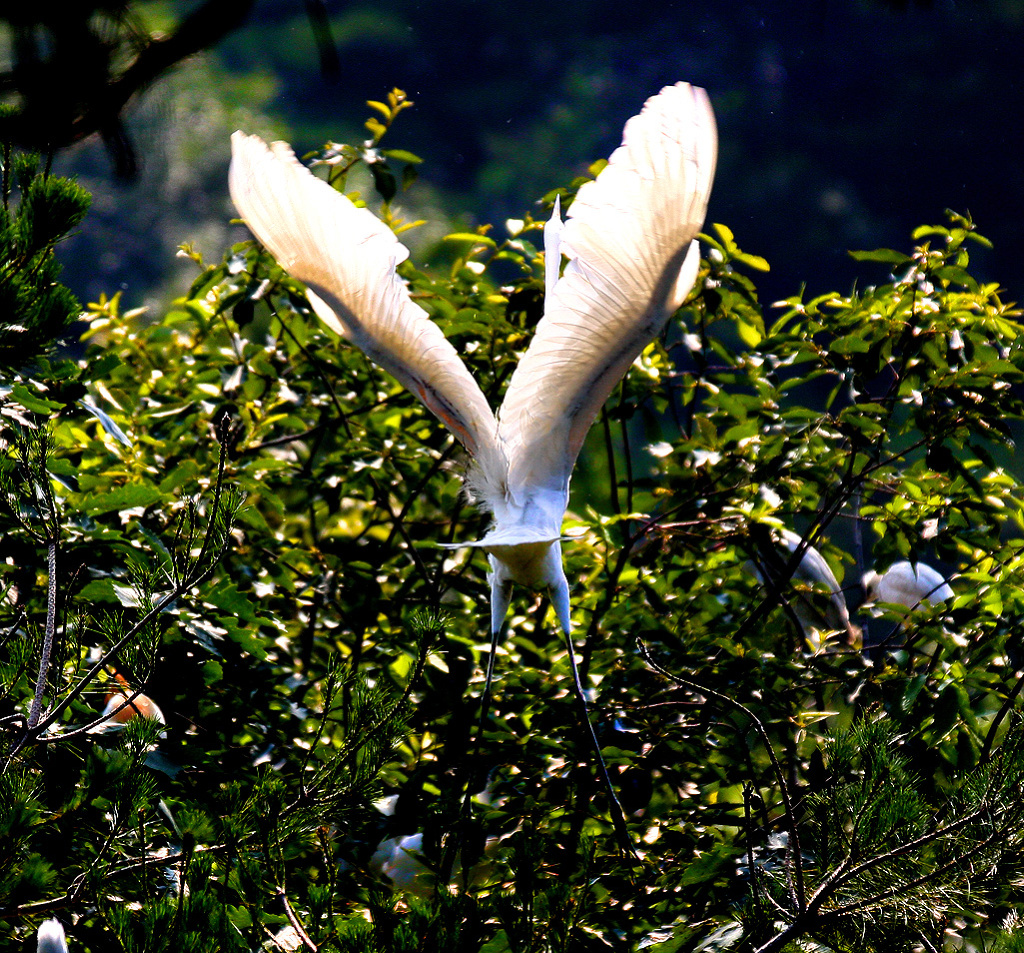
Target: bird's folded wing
628	238
347	257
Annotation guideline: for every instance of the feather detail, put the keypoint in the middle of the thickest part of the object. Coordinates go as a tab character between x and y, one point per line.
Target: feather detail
687	278
632	260
553	228
348	257
627	238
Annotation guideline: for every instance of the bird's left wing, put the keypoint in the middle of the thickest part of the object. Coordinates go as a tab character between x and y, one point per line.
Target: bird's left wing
632	260
347	257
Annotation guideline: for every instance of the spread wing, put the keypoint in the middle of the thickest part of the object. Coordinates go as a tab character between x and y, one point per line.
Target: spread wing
347	257
628	239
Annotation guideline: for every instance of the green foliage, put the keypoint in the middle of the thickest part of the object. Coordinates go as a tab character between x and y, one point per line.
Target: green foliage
884	866
313	646
38	211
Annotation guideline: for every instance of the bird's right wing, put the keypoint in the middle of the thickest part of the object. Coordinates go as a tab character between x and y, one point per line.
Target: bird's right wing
632	260
347	257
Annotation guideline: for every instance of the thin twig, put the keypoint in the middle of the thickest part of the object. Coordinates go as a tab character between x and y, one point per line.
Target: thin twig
294	921
613	480
990	735
797	888
48	635
199	575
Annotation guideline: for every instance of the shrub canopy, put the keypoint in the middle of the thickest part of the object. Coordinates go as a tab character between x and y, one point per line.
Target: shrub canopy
240	515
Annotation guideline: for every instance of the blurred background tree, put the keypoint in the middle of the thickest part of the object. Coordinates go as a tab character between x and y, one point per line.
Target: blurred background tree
844	122
74	67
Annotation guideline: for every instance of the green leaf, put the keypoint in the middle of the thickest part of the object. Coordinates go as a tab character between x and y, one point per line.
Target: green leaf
471	237
753	261
384	181
958	275
886	255
726	237
850	344
99	590
122	498
750	332
33	402
375	128
401	155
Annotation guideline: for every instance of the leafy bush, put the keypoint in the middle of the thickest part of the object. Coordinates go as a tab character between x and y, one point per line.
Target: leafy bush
241	518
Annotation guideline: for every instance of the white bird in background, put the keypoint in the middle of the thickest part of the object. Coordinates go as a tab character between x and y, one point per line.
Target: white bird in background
814	570
402	862
633	259
50	938
398	859
907	584
121	708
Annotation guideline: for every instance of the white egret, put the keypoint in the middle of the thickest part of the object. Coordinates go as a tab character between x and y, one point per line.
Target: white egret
121	707
398	859
632	260
401	861
907	584
812	569
911	585
50	938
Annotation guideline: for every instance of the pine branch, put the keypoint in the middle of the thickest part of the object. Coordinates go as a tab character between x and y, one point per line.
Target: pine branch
215	544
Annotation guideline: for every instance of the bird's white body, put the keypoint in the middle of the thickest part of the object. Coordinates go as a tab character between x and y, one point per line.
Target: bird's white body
398	859
50	938
908	584
630	241
814	570
632	259
401	860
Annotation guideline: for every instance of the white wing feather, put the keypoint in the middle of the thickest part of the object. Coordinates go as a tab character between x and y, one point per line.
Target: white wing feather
552	248
628	237
347	257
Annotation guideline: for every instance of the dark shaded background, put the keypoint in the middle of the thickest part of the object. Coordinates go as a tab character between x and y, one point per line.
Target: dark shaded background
842	124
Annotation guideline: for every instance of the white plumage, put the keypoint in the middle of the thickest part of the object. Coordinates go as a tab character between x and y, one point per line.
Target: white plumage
633	258
908	584
50	938
629	239
815	571
398	859
401	860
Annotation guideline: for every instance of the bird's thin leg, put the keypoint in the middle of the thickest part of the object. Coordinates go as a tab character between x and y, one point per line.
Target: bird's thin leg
560	601
485	699
501	594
